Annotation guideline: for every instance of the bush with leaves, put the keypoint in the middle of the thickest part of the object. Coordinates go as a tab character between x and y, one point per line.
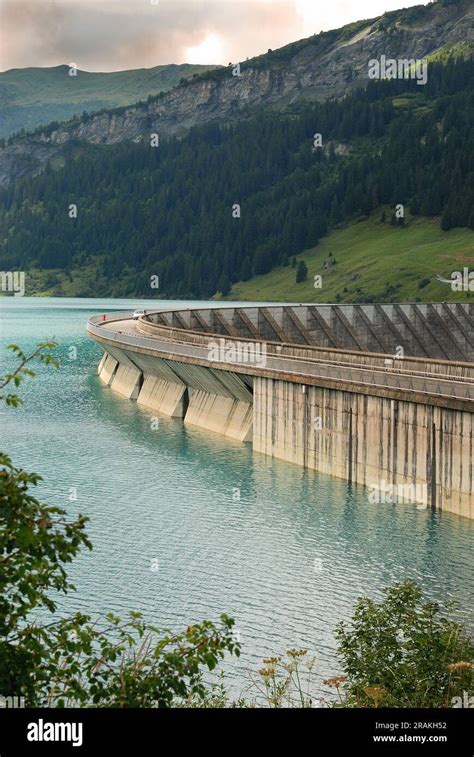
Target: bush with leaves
72	660
404	652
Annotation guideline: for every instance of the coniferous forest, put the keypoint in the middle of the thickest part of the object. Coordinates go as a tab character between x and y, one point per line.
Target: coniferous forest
229	201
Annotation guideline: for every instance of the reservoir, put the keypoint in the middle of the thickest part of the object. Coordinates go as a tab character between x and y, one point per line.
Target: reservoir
187	524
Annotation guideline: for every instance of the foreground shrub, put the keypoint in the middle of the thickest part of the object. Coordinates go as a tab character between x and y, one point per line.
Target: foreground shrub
404	652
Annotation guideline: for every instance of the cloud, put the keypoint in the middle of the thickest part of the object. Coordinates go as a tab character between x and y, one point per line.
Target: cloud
109	35
27	34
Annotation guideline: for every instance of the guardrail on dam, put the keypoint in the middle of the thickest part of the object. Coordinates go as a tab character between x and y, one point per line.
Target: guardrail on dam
379	395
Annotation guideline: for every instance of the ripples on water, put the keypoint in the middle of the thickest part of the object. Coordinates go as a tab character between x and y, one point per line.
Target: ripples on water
284	551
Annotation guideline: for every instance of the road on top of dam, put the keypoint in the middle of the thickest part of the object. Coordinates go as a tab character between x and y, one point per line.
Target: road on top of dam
430	386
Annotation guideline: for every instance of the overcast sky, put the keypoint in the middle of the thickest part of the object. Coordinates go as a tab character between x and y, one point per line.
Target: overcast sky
111	35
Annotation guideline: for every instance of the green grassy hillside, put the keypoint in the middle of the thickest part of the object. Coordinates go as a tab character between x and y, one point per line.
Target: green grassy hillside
374	261
30	97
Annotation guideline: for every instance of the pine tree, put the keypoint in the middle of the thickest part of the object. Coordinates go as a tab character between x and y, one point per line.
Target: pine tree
335	215
301	272
224	285
470	223
447	218
246	272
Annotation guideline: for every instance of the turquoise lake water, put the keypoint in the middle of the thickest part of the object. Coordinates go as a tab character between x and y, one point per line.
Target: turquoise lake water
284	551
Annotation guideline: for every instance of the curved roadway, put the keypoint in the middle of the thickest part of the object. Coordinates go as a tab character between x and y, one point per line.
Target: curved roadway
428	386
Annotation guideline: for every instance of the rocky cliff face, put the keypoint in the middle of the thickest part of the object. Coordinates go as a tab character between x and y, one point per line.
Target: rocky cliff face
326	65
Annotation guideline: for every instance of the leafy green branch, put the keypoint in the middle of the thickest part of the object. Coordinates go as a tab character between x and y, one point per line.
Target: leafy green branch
43	352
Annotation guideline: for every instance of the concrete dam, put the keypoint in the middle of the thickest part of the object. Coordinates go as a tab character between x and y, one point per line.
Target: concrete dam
378	395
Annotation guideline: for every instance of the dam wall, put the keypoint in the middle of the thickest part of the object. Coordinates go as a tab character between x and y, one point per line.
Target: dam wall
163	396
224	415
213	400
401	427
400	450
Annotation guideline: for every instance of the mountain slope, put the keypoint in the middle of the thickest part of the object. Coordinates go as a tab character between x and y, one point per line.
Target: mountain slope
30	97
329	64
374	261
228	202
